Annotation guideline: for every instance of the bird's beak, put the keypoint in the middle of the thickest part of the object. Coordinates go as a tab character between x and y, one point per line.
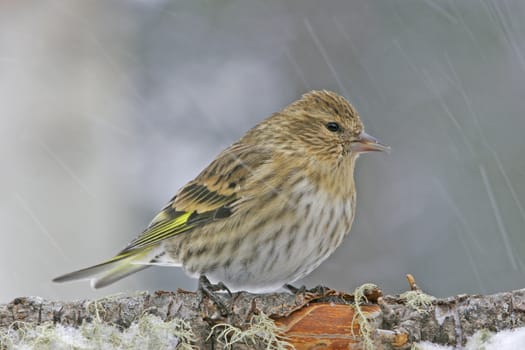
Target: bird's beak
366	143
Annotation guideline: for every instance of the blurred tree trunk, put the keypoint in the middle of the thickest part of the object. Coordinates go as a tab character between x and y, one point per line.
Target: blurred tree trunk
314	319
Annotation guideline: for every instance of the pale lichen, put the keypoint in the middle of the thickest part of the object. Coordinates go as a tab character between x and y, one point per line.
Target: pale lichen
365	328
480	339
261	330
147	332
417	300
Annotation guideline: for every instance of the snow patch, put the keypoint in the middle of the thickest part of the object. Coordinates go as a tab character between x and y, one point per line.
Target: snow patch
484	340
149	332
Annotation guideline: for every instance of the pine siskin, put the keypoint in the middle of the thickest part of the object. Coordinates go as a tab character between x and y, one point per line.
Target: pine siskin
267	211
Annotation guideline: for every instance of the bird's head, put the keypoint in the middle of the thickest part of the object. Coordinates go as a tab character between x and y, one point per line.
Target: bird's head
322	125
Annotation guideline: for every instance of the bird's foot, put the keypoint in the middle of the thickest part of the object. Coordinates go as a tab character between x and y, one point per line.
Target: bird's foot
319	293
206	288
321	290
307	294
294	289
317	290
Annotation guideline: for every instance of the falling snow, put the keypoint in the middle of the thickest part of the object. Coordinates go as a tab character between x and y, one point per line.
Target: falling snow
108	108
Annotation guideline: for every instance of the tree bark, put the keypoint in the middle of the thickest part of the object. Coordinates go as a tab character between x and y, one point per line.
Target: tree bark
313	319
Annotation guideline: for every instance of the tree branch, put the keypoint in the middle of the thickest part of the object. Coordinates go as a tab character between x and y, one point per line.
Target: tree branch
322	318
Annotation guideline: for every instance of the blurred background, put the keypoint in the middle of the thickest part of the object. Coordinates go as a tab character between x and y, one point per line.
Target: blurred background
108	107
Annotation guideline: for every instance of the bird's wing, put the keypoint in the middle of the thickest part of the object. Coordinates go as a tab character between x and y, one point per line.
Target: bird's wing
211	196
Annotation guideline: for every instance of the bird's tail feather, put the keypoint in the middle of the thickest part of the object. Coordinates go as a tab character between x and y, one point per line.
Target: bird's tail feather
110	271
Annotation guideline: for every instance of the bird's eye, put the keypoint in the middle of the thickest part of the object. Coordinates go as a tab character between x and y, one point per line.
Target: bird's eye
333	127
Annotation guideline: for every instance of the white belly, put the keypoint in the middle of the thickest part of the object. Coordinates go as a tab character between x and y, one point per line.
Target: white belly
290	249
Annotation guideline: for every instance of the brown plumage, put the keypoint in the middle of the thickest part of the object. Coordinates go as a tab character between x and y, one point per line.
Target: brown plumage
267	211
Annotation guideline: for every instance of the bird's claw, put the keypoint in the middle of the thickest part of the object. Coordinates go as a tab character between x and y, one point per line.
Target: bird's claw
294	289
206	288
319	290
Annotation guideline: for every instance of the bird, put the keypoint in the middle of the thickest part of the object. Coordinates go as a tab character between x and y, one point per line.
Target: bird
267	211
